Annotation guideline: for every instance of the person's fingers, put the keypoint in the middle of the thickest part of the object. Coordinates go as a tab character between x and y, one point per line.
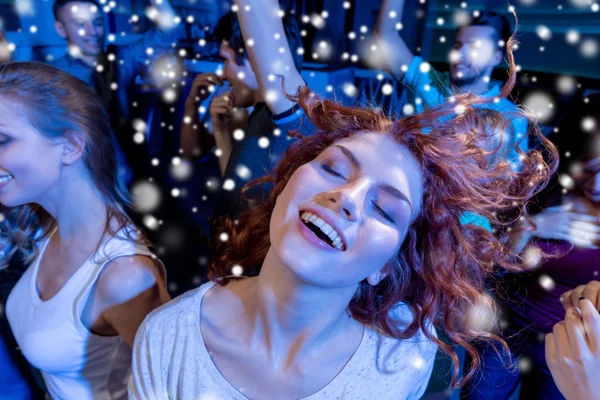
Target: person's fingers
585	226
226	99
591	291
210	78
550	345
591	323
583	218
575	332
200	85
576	294
218	110
561	208
562	340
580	239
565	300
221	109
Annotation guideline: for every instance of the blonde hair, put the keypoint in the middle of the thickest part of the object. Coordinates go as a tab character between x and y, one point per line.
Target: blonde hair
56	103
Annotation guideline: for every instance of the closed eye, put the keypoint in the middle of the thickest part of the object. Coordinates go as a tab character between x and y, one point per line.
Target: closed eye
330	171
382	213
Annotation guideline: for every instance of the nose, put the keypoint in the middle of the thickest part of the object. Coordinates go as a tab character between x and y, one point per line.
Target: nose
92	29
349	199
463	53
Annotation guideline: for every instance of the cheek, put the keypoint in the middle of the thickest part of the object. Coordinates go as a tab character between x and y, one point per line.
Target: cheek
251	81
377	245
73	33
46	166
293	194
288	202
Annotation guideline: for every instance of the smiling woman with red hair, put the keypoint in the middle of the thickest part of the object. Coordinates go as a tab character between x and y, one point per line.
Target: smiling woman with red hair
330	286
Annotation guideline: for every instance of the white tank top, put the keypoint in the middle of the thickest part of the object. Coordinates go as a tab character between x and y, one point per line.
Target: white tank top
75	363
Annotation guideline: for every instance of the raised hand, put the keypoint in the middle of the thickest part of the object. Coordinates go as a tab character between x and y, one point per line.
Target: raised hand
573	353
562	223
590	291
201	89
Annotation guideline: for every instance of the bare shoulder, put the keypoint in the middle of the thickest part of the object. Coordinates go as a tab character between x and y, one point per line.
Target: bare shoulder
125	278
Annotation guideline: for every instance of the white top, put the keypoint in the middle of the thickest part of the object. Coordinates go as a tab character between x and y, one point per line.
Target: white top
75	363
171	361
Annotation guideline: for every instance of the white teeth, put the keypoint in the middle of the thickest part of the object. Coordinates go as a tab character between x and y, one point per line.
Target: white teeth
325	228
5	178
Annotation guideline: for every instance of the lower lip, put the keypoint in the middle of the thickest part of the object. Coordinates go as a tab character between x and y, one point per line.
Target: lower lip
3	184
312	238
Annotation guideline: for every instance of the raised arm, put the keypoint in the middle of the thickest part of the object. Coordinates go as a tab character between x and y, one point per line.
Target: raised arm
396	52
194	139
163	13
270	55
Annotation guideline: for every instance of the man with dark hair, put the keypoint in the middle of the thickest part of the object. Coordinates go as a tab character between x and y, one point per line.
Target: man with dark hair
479	47
111	70
82	24
246	91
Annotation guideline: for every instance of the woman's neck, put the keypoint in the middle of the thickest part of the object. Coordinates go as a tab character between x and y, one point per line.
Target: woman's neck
78	209
289	317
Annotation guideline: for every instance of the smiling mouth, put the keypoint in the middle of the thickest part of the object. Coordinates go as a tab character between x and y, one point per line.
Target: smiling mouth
6	178
322	230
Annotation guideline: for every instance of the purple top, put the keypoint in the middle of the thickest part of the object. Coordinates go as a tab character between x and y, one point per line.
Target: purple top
538	309
541	308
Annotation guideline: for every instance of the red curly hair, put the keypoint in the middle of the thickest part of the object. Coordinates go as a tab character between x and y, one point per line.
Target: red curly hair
441	265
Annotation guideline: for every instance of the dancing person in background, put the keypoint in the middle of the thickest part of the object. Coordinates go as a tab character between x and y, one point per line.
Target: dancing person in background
247	69
91	278
12	382
564	239
572	349
111	70
479	47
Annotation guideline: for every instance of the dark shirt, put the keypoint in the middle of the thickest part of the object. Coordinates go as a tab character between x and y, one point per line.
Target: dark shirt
129	62
249	160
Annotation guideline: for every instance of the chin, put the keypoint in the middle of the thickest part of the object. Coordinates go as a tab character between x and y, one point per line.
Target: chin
8	202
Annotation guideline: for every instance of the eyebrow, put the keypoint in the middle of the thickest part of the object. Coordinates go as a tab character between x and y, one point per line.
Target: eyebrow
385	187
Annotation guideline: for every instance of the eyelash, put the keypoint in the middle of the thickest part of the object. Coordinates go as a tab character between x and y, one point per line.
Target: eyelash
330	171
379	210
382	213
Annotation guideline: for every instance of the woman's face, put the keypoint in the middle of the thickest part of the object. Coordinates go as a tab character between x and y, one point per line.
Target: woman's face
30	164
367	189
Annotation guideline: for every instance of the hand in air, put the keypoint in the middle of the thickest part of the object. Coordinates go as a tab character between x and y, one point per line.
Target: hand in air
579	229
202	86
590	291
573	353
221	111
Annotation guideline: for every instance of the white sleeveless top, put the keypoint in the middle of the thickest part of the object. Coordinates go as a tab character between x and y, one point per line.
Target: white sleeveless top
171	361
75	363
